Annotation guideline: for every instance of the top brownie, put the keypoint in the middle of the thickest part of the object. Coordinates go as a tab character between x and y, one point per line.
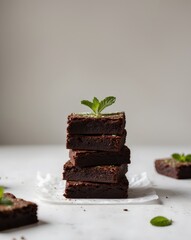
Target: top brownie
113	123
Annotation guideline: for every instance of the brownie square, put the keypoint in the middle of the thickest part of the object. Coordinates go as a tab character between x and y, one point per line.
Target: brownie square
78	189
96	142
82	158
104	174
19	214
173	168
88	124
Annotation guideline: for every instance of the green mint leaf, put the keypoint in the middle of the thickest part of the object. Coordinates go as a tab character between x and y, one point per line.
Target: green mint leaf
5	202
106	103
87	103
1	192
95	101
176	156
160	221
95	105
188	158
181	157
98	106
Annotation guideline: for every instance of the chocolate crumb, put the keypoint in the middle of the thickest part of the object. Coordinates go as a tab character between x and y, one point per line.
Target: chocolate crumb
166	197
125	209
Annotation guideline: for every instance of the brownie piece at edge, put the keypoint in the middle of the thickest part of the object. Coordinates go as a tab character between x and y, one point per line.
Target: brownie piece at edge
172	168
89	124
99	158
97	142
19	214
75	189
104	174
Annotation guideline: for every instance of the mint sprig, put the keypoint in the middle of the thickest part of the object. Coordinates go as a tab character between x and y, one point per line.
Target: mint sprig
98	106
3	200
181	157
160	221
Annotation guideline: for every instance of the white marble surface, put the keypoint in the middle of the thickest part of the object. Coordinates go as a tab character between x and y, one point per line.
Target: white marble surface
19	166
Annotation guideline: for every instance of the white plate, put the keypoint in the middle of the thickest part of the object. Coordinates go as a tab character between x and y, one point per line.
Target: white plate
50	189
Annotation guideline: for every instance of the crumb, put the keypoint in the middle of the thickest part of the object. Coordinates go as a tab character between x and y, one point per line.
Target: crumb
166	196
23	238
125	209
84	210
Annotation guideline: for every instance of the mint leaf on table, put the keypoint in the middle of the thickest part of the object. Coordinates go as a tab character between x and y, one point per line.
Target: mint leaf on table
181	157
98	106
3	200
160	221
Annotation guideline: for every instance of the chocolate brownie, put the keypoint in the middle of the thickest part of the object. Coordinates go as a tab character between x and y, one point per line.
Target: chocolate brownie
173	168
113	123
18	214
105	174
82	158
97	142
75	189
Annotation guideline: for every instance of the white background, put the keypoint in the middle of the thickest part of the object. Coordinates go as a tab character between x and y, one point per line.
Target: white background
55	53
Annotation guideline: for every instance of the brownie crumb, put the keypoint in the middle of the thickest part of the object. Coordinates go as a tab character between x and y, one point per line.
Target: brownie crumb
125	209
166	196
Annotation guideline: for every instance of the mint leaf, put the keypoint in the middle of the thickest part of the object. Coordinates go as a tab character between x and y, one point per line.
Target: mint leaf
1	192
87	103
106	103
98	106
5	202
176	156
96	101
188	158
181	157
160	221
95	105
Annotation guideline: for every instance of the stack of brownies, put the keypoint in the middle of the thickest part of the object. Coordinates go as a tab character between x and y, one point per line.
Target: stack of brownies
98	156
